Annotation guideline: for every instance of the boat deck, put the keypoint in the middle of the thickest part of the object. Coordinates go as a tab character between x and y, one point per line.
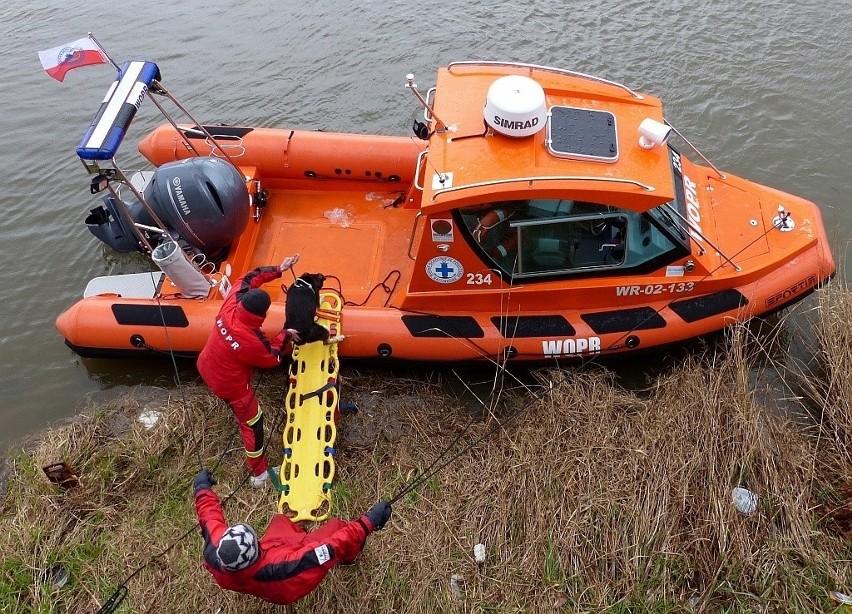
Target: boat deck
326	228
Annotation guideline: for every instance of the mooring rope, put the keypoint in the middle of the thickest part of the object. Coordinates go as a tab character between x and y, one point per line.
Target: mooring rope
118	596
177	378
435	468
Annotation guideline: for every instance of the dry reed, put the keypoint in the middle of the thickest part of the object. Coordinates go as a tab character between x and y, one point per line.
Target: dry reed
588	497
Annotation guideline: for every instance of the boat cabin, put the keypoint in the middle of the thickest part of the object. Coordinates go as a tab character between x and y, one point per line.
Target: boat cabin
546	176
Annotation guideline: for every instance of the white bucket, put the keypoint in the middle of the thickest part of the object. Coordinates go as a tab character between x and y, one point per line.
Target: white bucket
172	260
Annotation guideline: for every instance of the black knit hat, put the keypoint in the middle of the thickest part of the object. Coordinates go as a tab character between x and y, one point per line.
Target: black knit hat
256	301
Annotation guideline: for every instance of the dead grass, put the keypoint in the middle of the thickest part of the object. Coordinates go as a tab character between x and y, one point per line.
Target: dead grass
594	498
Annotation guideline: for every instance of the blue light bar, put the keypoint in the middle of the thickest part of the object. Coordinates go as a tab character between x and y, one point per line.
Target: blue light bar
119	106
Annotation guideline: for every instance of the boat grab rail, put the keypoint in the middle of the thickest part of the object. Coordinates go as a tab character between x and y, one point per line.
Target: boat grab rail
697	152
420	157
561	71
495	182
413	232
430	100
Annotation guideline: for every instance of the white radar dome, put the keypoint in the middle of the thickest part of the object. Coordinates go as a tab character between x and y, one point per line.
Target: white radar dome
515	106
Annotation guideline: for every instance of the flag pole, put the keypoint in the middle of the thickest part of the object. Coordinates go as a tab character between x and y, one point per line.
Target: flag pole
101	47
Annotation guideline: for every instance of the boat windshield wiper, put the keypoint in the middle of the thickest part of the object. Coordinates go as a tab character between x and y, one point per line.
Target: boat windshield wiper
662	212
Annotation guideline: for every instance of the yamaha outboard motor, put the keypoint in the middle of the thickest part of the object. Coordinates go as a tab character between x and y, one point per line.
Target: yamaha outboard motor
203	201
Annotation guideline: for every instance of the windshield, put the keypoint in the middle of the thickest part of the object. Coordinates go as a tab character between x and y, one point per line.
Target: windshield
672	215
546	237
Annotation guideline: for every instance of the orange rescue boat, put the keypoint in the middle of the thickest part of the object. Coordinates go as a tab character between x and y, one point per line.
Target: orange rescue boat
536	213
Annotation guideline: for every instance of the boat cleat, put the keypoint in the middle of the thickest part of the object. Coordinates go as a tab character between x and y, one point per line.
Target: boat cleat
783	221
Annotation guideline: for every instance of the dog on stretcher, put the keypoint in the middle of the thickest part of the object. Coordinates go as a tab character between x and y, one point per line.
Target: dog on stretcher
303	300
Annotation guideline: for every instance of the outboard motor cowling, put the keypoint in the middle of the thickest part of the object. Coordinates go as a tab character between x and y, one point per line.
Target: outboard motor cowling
203	201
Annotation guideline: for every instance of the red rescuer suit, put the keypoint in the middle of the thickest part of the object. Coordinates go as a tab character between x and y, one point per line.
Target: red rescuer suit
292	562
235	347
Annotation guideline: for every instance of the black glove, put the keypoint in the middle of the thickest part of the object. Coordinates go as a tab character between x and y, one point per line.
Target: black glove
379	514
203	480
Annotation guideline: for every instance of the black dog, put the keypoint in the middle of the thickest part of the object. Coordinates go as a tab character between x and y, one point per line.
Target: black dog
300	310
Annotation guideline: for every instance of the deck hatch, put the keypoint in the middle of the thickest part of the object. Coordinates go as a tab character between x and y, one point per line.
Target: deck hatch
150	315
624	320
709	305
582	134
533	326
443	326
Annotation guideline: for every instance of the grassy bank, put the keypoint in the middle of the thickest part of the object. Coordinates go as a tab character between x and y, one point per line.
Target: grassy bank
592	498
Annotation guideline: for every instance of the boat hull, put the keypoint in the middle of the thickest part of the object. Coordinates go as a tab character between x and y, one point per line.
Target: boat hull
110	326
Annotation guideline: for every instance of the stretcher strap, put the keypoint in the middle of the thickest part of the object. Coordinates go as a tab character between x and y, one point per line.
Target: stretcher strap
318	392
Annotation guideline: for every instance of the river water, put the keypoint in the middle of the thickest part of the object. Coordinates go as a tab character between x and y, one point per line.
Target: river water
762	88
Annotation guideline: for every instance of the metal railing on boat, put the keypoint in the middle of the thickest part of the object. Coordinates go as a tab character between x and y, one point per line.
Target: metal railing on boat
562	71
495	182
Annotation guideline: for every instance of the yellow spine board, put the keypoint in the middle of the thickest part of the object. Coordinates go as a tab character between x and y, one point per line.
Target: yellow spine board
309	434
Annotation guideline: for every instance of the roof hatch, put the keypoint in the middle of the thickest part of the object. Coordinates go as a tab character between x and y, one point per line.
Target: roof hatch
582	134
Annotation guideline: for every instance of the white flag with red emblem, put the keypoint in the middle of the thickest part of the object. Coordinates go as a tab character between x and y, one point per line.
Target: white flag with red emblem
59	60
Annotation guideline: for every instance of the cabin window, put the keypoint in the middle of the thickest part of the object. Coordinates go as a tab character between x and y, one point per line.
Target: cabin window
570	244
541	237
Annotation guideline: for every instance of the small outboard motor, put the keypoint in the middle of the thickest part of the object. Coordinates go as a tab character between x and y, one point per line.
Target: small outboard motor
203	201
109	225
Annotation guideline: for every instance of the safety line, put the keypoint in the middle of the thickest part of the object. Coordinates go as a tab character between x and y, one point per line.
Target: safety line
121	592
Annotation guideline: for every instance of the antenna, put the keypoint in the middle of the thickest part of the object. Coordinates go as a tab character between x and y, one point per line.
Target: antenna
410	84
